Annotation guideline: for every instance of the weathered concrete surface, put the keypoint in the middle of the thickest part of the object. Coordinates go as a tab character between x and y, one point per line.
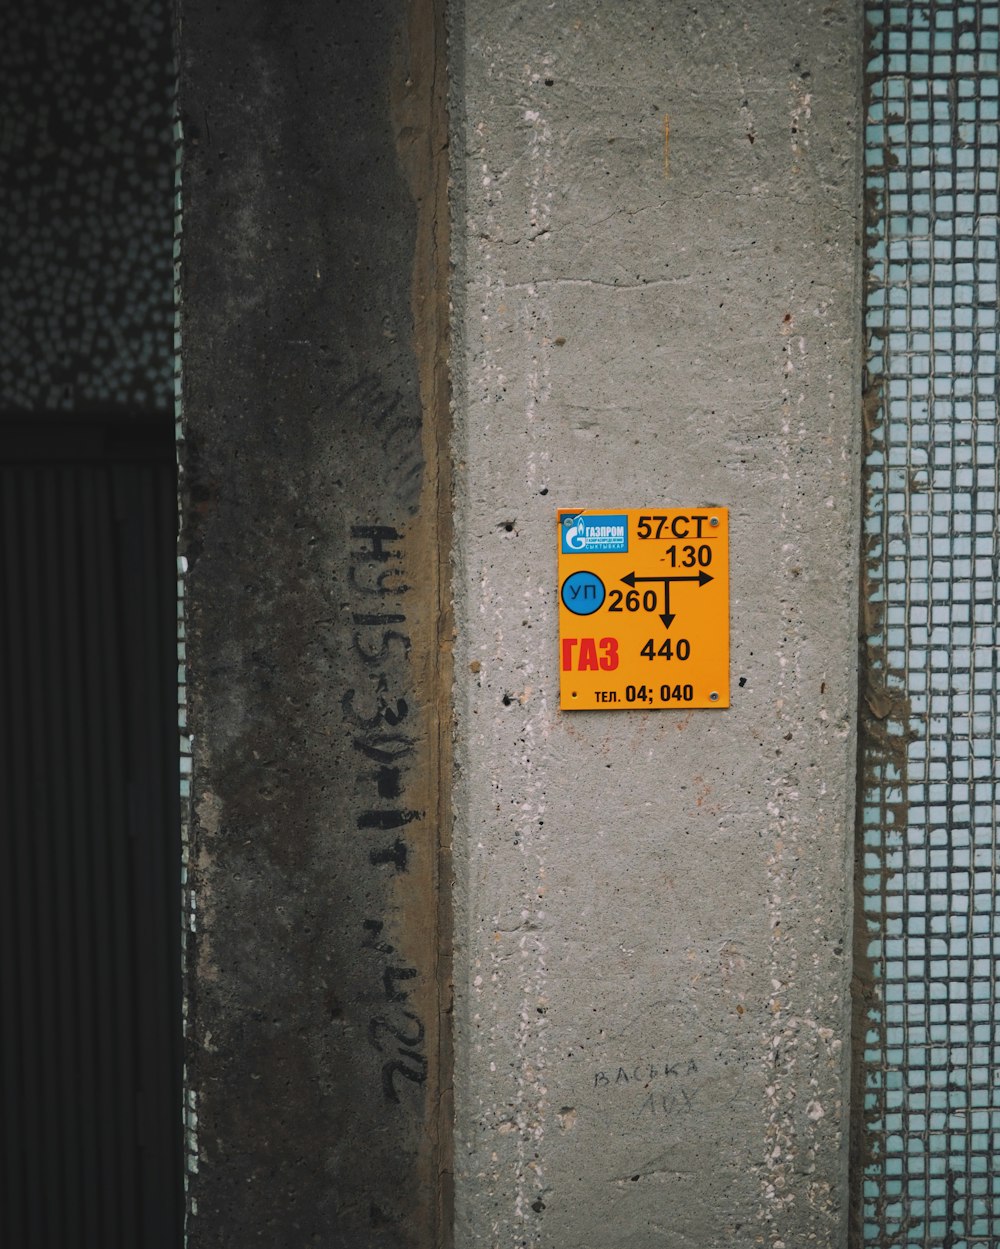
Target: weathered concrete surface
657	228
314	315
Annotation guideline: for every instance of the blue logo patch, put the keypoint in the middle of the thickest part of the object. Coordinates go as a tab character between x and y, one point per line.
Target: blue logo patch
594	535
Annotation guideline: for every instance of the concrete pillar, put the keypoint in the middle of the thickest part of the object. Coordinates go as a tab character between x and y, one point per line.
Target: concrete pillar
655	292
656	283
314	257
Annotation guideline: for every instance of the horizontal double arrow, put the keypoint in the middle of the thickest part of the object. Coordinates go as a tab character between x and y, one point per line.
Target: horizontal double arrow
667	615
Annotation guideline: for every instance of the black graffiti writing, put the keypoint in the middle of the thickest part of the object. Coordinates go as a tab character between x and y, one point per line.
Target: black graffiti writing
643	1073
662	1105
377	534
418	1074
386	748
387	711
373	929
380	584
396	854
388	637
390	978
374	711
415	1068
410	1037
388	782
388	819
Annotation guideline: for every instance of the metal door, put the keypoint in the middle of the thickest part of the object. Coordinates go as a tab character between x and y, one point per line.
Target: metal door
90	876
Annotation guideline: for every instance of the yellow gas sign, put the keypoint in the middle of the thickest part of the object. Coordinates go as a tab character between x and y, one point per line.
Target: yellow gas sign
643	608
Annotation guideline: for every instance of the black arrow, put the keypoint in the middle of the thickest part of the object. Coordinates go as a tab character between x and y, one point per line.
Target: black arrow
703	578
668	617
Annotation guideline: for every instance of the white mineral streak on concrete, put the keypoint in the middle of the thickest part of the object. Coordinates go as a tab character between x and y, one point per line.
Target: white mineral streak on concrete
531	1106
780	1046
798	1050
515	1167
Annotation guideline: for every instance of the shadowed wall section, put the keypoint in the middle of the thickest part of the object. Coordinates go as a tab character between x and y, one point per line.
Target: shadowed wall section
314	397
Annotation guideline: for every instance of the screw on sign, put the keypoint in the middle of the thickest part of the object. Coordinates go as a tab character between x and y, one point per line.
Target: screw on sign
643	608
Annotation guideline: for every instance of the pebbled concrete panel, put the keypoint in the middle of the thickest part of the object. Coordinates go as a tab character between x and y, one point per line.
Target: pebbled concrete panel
657	218
313	317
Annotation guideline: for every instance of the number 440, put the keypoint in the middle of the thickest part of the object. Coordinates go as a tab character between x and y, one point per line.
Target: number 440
681	649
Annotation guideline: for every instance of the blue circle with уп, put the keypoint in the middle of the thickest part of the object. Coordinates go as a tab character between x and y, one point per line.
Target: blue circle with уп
583	593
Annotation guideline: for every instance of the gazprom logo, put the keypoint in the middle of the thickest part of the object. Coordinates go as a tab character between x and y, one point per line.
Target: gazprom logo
594	535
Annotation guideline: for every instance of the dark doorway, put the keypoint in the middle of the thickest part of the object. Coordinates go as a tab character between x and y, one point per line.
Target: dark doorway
90	994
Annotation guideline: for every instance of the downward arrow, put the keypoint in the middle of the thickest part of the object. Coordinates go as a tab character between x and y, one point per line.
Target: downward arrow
668	617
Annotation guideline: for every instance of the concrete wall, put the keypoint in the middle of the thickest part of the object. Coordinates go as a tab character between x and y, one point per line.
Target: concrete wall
656	220
655	287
